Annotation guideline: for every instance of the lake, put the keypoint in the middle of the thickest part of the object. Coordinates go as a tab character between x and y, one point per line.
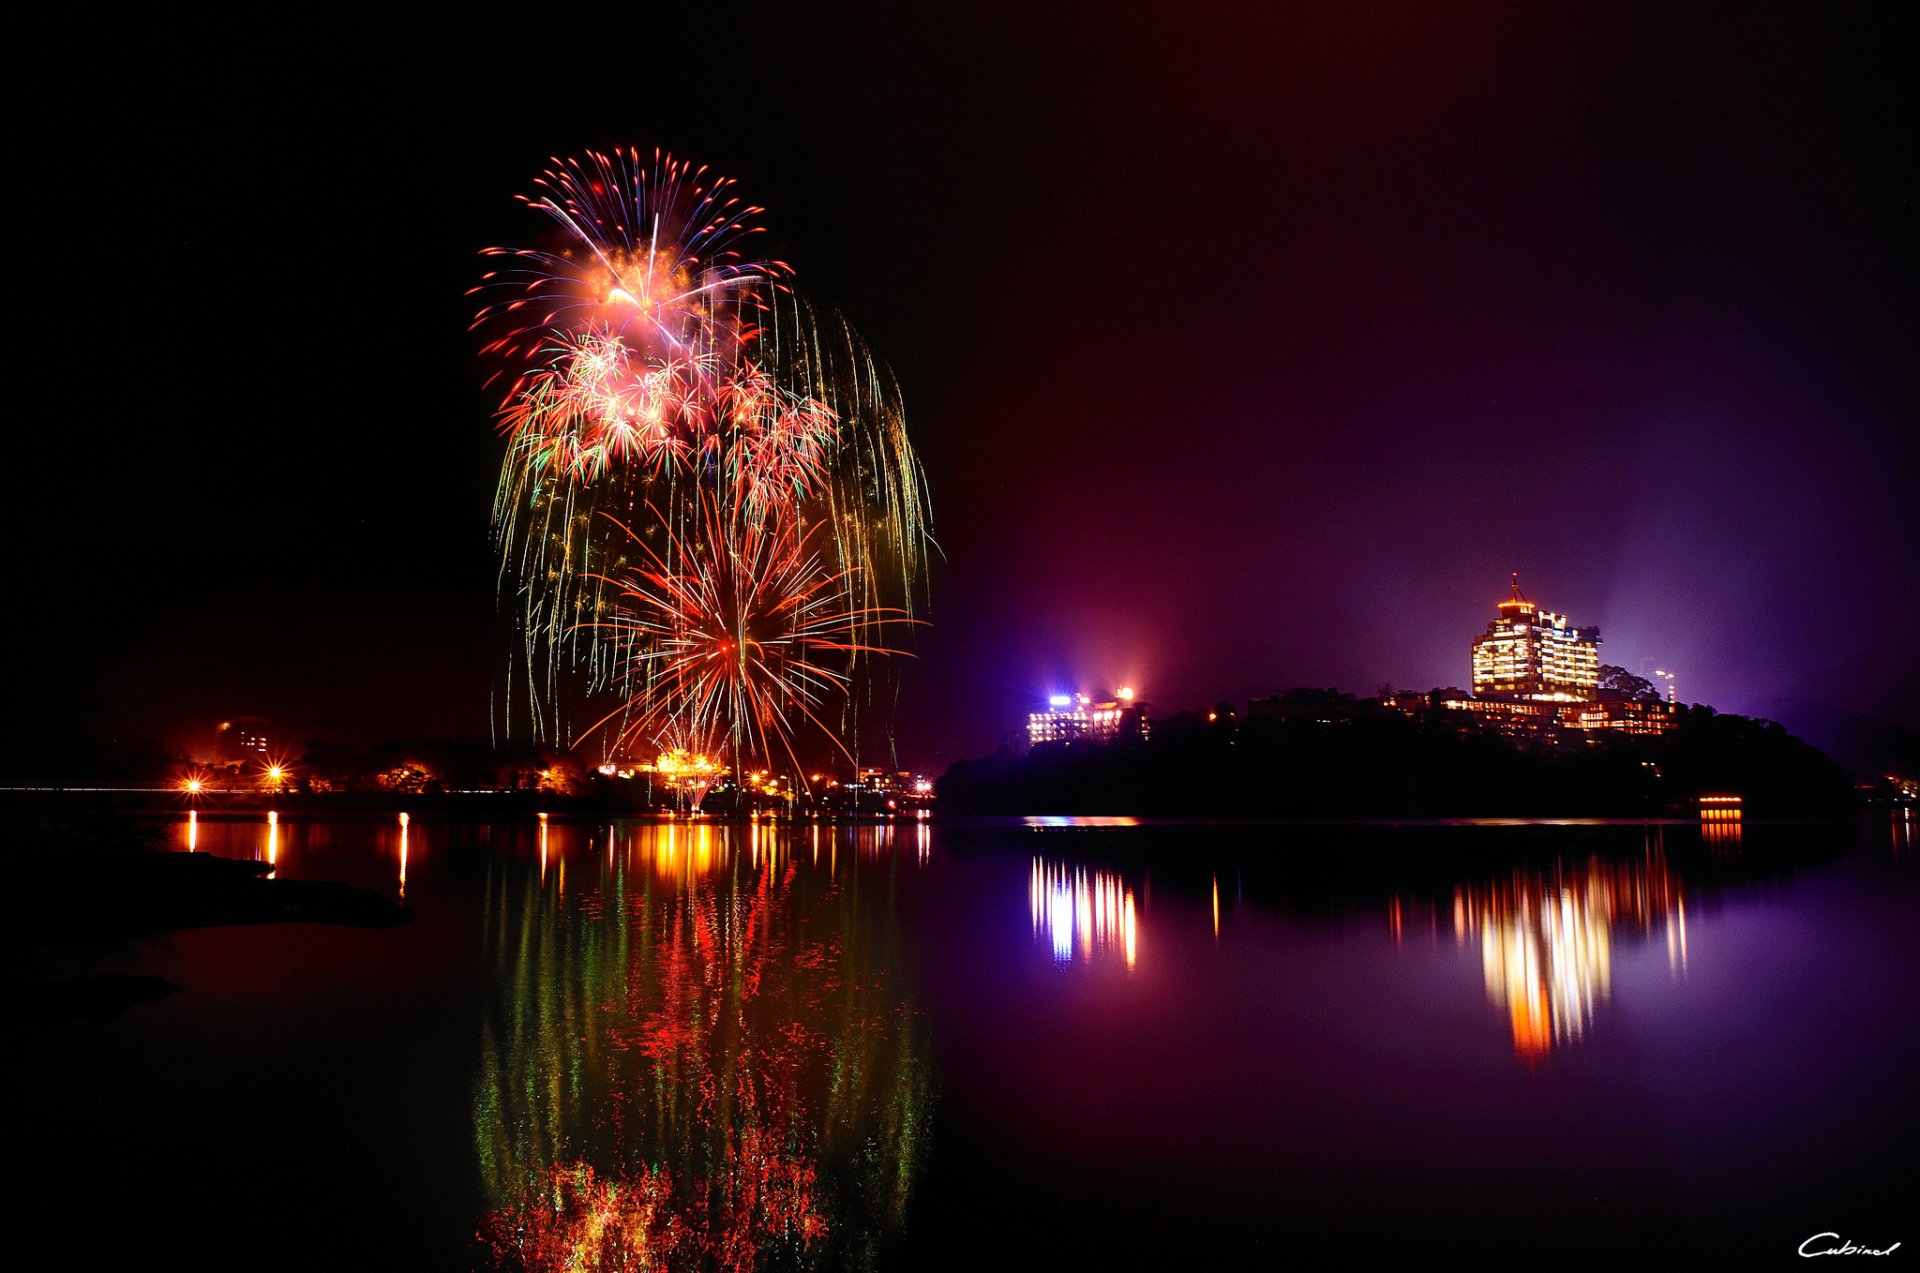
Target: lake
1055	1043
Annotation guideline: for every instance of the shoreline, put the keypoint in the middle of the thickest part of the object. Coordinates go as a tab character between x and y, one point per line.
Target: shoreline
497	807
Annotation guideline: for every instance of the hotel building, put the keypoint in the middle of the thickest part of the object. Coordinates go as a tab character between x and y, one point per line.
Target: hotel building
1536	678
1530	653
1076	718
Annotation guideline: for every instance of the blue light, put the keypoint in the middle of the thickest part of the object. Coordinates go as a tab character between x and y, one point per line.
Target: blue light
1060	700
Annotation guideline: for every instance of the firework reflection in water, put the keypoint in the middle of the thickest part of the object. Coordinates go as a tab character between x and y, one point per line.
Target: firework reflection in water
692	1058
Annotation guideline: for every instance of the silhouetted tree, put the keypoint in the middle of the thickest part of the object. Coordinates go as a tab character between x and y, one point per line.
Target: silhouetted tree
1620	681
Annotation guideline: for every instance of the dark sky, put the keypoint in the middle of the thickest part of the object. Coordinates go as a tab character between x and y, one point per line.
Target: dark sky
1242	352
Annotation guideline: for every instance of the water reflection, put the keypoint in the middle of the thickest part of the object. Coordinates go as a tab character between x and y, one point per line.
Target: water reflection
1083	913
1061	821
1720	828
698	1052
1546	939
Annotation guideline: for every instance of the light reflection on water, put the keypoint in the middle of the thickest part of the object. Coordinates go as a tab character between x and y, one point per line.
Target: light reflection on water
1721	828
1083	914
1547	941
699	1044
698	1050
1060	821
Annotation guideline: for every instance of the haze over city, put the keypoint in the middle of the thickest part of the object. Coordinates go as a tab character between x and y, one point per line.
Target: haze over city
1242	352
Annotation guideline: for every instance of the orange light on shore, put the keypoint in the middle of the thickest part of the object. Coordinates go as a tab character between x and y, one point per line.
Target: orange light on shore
680	763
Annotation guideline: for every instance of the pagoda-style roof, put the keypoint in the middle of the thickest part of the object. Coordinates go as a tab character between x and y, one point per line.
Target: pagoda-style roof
1518	603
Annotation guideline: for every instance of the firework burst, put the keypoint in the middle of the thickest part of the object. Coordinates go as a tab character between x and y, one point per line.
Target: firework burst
741	633
695	459
650	252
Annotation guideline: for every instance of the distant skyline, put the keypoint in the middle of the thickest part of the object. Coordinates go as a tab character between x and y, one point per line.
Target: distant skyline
1242	352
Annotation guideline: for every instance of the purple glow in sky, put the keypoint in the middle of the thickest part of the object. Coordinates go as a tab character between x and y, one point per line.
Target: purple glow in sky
1243	352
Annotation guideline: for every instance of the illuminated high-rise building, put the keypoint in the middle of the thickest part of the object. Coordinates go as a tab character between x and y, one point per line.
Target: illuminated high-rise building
1536	679
1530	653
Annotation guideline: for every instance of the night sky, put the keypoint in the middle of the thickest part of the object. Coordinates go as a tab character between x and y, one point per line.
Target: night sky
1242	353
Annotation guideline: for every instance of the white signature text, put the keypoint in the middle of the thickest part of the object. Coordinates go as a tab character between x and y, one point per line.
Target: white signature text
1845	1248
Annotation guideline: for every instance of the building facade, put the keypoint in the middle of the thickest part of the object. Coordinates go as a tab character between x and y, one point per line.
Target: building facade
1536	679
1531	653
1077	718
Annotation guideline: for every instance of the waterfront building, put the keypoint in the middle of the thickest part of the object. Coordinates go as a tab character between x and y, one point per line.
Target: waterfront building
241	740
1077	718
891	789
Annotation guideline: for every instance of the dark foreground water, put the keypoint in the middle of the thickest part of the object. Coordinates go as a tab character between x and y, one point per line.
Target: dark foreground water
1006	1045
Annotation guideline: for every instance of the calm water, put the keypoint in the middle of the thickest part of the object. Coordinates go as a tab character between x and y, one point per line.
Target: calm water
1050	1045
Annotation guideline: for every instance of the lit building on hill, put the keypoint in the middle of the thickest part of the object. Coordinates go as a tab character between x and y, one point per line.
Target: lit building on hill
1536	679
1530	653
1620	716
1516	718
1547	721
1077	718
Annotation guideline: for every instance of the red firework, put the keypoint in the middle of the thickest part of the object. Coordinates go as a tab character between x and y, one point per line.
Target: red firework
735	630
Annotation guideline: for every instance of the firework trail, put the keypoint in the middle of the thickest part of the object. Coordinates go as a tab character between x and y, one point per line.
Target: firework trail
694	457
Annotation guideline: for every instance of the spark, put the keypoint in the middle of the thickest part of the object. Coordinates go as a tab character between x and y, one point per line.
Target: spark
651	363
